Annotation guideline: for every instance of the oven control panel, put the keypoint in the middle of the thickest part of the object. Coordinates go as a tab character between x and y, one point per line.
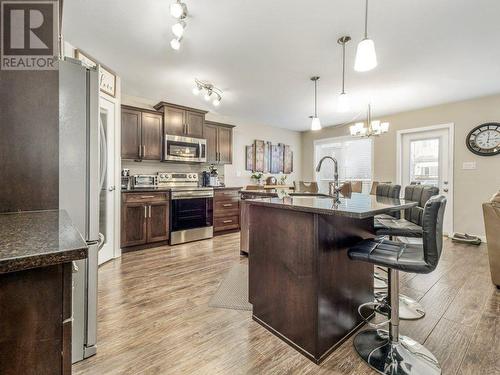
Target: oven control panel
168	177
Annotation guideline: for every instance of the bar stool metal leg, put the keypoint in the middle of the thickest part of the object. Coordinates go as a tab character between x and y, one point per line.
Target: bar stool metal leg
395	354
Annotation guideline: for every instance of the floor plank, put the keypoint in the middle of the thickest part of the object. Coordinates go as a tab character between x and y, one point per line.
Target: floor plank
154	317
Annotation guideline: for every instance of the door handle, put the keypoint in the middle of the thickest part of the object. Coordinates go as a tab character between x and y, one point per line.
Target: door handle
145	211
227	205
445	190
140	151
111	188
143	150
227	221
150	211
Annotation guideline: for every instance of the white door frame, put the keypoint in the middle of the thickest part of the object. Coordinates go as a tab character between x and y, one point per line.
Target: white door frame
451	150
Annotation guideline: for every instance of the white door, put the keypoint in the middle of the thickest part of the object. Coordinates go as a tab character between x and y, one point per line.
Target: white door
426	157
107	179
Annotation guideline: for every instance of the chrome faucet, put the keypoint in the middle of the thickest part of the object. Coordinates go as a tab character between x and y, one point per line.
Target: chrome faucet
333	187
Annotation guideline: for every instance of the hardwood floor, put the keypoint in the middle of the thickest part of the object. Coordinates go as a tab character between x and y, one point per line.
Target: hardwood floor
154	317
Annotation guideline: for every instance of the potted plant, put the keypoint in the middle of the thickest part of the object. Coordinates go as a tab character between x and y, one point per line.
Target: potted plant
257	176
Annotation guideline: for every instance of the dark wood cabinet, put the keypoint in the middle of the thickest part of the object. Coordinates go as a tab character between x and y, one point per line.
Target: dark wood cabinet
145	218
158	222
226	210
180	120
142	134
219	142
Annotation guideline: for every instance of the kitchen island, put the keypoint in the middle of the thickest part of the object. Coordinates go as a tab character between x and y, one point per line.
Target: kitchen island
302	285
36	253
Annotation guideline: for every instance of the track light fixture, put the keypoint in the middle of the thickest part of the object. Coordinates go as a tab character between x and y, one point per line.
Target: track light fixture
209	91
179	11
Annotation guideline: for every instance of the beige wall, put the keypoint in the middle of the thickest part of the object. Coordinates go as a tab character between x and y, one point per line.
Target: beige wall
243	134
471	187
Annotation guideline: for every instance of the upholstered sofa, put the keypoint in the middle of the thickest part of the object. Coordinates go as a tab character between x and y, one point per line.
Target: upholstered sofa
491	211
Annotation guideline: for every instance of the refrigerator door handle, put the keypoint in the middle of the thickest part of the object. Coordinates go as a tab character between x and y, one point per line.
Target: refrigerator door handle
104	152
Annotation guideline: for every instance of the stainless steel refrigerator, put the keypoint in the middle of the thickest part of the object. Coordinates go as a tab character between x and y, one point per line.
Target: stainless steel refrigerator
79	187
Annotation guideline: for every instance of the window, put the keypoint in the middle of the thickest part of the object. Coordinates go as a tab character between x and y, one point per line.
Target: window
424	161
354	157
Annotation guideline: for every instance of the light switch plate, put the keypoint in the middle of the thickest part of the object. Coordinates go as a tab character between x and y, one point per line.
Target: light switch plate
469	165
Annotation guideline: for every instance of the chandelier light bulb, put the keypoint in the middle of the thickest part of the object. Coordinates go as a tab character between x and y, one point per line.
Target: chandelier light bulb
176	10
343	104
175	44
315	124
384	127
178	29
366	57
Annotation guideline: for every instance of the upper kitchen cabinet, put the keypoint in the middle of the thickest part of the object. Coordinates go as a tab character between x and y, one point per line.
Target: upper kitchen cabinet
142	134
180	120
219	142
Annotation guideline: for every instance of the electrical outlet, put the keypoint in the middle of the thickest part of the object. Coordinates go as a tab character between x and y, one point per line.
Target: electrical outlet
469	165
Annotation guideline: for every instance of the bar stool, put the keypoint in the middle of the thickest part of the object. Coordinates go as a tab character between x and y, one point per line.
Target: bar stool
410	226
389	352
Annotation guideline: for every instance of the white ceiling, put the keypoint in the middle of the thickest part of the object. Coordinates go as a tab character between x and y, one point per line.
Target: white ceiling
262	53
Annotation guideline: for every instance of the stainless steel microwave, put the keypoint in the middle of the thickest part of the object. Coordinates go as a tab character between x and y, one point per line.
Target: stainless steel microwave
185	149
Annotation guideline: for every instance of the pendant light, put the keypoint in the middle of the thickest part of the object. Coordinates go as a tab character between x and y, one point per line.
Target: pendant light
315	123
366	58
343	103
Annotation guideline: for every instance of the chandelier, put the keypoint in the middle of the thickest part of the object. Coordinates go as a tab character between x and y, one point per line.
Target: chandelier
208	90
374	128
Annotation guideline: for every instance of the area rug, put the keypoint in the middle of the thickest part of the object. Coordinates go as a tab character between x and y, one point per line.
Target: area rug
233	290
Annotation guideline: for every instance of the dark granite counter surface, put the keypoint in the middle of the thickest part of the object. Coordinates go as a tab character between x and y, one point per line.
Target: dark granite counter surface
38	239
228	187
358	206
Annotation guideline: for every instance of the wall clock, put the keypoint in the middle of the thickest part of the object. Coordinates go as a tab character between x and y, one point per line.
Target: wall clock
484	140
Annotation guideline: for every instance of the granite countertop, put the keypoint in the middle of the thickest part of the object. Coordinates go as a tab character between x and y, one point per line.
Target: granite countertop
38	239
358	206
228	187
267	192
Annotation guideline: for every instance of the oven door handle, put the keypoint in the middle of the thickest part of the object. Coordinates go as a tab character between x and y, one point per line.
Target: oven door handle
190	196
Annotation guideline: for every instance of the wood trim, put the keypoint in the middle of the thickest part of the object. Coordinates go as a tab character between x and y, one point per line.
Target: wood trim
213	123
146	110
159	106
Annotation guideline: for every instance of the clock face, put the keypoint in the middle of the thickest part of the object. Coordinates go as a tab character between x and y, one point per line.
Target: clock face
484	140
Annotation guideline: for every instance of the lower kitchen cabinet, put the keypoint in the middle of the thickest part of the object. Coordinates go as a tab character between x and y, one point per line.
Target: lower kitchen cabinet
145	218
226	210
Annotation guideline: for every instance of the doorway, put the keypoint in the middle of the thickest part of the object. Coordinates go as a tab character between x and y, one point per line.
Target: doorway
107	179
425	156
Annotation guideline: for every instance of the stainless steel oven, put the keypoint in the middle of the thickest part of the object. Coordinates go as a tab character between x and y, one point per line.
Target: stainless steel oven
185	149
191	214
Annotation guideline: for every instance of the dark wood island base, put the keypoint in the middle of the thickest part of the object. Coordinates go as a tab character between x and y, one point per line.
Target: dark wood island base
303	287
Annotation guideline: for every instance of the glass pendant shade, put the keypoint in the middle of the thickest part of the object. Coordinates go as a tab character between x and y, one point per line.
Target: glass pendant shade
315	124
366	57
384	127
178	29
175	44
176	10
343	104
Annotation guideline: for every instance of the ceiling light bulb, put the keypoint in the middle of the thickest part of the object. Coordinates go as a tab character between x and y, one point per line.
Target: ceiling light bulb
178	28
384	127
315	124
376	126
343	104
175	44
366	57
216	102
176	10
207	96
196	90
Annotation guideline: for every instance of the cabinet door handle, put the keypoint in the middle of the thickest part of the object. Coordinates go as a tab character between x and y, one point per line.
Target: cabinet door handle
150	211
143	151
227	205
145	211
147	196
227	221
140	150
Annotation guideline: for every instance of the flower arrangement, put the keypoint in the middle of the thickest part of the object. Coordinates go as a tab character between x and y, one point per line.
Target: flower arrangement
257	176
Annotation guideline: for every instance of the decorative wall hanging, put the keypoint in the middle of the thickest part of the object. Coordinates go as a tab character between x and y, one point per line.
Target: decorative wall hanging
264	157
